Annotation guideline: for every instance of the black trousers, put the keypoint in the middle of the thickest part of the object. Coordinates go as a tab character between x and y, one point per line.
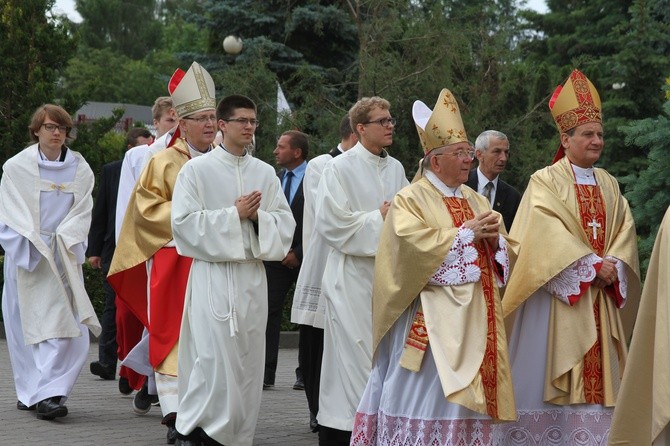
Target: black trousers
333	437
107	347
280	280
309	360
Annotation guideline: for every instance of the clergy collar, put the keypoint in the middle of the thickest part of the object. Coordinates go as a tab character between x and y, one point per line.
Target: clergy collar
584	175
366	154
195	152
244	153
443	188
61	158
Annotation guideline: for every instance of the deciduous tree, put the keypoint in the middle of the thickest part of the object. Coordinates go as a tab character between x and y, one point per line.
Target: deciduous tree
34	48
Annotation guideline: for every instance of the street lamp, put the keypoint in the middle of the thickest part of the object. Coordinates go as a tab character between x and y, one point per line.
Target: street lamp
232	45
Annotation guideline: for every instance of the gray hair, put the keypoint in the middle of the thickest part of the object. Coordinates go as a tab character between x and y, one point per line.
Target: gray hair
425	163
484	139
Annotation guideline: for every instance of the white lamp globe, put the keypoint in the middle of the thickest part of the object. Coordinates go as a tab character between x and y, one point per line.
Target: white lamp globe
232	45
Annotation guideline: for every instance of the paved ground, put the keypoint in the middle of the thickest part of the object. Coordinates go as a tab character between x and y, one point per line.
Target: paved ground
100	415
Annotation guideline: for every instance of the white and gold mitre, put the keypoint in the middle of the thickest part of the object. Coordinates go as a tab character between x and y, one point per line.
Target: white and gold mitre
192	91
441	126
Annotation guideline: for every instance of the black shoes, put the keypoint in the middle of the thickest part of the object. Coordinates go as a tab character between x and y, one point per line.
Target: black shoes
181	442
313	424
124	386
267	386
103	371
143	400
21	406
171	435
169	421
299	384
51	408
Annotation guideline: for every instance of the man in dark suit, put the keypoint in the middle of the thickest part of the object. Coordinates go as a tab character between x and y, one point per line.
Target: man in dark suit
291	154
101	245
492	152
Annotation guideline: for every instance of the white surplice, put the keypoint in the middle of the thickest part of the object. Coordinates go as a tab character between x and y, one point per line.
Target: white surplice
308	308
222	339
133	163
131	168
353	188
45	212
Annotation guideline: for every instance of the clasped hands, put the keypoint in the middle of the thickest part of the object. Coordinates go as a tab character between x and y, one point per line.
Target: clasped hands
247	205
486	226
607	274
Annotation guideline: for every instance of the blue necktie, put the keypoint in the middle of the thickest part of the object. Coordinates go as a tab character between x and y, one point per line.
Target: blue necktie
287	186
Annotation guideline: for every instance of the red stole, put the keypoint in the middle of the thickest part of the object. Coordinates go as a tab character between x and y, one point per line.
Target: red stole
169	276
592	215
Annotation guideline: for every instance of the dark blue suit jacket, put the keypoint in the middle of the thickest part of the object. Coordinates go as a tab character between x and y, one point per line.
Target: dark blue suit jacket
506	201
101	237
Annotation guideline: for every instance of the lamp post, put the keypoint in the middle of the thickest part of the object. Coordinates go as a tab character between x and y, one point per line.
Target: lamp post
232	45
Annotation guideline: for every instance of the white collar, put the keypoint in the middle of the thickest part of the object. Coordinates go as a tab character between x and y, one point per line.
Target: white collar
584	175
446	190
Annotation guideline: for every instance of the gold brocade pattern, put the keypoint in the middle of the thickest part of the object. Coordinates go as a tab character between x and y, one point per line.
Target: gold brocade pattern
592	214
415	344
418	335
588	106
461	211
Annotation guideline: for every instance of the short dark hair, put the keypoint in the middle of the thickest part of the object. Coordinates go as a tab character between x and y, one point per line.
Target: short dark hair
345	127
54	112
135	133
229	104
298	140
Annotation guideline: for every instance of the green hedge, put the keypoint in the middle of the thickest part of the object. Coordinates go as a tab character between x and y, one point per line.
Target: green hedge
93	281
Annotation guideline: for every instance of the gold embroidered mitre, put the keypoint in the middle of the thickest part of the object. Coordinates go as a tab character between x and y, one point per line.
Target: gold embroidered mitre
576	102
441	126
193	91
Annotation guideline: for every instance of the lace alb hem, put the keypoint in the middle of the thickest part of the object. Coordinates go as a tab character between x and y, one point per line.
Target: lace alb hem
566	283
460	265
385	430
556	427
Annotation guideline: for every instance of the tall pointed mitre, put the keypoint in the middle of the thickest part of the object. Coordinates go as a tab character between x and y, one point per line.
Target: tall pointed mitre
441	126
574	103
193	91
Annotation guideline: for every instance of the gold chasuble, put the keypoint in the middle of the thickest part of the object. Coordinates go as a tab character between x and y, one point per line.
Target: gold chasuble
586	341
642	412
463	323
146	229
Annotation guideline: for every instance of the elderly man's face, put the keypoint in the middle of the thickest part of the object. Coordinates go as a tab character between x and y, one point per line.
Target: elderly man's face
452	163
493	160
199	129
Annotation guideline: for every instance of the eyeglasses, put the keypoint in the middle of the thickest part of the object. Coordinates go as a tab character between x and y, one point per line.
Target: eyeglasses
245	121
52	128
202	119
384	122
461	154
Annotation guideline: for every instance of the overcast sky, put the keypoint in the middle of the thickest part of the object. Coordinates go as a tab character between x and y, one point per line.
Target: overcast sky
67	6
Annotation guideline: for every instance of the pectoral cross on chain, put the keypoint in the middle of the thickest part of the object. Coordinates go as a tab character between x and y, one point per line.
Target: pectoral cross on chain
594	226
